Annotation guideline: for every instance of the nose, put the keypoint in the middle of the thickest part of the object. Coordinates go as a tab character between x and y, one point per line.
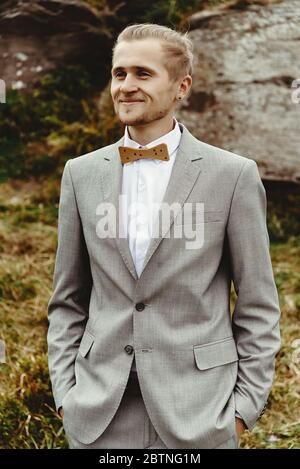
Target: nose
128	84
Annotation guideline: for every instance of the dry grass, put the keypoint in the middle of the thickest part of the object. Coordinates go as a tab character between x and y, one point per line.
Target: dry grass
28	214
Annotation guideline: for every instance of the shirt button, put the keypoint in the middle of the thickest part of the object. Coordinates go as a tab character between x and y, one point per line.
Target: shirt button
139	306
128	349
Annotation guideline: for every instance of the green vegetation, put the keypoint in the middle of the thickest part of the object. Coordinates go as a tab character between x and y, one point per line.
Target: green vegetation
57	120
283	211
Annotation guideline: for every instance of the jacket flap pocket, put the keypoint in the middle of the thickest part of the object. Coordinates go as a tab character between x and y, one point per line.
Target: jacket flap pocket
86	343
215	353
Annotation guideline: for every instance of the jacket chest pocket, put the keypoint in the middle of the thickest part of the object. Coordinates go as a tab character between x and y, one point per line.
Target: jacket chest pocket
198	216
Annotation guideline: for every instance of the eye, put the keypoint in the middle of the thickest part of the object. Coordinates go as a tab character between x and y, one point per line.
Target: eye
140	73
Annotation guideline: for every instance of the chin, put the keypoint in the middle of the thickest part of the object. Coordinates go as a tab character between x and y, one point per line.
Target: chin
134	120
126	121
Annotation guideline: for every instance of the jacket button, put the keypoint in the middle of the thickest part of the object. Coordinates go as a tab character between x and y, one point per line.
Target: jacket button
128	349
139	306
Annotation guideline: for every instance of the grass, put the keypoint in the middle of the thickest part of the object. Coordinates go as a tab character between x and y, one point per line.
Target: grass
28	242
28	233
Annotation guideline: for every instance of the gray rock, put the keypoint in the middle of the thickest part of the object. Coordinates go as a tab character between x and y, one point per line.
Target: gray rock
245	63
39	36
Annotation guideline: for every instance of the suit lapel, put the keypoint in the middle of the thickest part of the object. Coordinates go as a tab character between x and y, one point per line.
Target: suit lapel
111	183
186	169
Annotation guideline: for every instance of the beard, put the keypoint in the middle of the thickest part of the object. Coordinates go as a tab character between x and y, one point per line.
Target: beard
134	118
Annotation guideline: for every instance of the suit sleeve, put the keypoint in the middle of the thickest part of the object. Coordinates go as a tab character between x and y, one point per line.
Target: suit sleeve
69	303
256	315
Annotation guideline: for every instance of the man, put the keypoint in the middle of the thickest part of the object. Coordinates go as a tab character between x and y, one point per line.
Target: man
143	352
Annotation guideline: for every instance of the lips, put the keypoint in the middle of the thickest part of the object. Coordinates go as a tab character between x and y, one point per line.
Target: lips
130	101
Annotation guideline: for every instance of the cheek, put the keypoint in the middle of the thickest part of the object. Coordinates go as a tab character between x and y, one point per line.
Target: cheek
164	97
113	90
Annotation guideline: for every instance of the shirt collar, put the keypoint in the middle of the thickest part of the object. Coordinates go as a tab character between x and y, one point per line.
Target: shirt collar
171	139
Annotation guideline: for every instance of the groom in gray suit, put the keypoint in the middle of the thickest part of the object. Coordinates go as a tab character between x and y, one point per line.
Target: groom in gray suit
143	349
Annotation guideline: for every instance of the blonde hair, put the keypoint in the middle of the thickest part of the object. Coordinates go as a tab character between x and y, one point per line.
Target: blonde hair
178	48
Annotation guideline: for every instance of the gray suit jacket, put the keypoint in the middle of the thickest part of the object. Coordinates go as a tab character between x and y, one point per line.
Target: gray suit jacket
195	364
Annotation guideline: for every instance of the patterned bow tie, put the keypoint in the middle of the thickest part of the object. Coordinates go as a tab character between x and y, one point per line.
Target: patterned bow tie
159	152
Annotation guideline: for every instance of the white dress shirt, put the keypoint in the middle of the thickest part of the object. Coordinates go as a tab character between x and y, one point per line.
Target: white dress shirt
144	185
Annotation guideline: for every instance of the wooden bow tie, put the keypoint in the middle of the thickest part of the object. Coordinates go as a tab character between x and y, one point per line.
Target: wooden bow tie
159	152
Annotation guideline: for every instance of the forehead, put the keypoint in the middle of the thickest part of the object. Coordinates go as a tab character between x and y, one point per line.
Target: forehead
141	53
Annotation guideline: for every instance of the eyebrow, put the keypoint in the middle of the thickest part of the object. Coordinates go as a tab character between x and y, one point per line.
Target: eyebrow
117	69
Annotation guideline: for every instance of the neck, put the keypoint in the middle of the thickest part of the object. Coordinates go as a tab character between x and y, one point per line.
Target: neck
144	134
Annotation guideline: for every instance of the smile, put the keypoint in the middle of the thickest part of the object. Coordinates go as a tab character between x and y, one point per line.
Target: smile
128	103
